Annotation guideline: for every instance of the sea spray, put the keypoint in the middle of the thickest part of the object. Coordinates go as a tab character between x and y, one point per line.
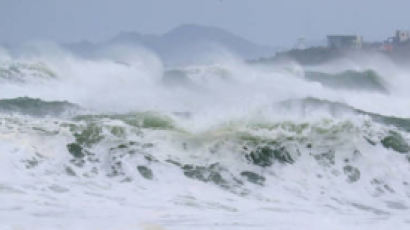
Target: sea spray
118	141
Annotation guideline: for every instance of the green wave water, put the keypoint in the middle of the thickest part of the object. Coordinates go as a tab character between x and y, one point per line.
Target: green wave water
353	80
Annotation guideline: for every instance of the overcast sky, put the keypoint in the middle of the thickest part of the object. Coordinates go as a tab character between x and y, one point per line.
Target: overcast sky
271	22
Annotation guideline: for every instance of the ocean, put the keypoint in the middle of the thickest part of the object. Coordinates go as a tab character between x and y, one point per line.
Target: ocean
121	141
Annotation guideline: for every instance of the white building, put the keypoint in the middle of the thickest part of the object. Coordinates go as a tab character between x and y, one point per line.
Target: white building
401	36
344	41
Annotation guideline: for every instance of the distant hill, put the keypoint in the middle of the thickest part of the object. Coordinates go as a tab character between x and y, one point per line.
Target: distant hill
185	43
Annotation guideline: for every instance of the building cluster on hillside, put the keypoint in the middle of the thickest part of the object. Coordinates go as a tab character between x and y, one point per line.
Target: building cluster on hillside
400	38
396	47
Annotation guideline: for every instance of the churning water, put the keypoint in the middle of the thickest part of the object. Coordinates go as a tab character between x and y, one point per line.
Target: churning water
120	142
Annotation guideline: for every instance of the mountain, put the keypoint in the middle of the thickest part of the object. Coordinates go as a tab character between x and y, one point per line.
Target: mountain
187	43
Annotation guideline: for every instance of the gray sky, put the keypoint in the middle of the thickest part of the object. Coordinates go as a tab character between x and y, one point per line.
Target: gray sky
271	22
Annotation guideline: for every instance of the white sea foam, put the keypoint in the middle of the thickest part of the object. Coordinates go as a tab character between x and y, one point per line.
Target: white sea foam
153	155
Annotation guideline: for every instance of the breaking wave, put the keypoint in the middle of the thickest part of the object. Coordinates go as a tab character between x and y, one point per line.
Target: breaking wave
37	107
121	142
367	80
